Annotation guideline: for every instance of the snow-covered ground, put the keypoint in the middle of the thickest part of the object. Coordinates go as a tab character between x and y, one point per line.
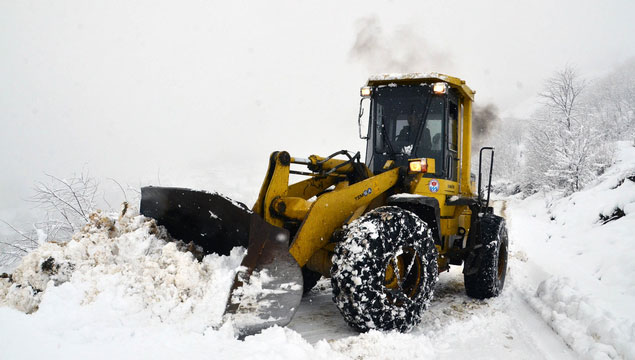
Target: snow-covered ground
579	265
121	289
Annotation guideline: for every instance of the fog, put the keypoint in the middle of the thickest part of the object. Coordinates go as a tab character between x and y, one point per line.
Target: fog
198	93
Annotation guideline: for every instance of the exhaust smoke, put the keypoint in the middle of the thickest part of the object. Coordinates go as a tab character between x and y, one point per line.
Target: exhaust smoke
485	118
401	50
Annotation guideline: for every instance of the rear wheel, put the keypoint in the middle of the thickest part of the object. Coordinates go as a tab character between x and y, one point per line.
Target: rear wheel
384	270
489	279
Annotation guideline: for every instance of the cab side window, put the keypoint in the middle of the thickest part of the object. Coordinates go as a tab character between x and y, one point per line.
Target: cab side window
434	126
453	141
453	133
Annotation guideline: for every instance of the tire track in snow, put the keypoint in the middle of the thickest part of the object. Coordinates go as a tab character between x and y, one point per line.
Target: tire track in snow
454	325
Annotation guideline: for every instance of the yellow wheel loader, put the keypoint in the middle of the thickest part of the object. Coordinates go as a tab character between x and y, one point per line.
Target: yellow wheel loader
382	229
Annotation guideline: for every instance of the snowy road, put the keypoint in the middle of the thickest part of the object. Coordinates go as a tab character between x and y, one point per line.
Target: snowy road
505	327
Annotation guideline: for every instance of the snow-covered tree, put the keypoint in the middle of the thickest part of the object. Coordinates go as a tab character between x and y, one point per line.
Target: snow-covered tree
611	102
566	147
65	206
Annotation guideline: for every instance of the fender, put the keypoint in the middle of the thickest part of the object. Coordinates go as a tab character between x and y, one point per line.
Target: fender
427	208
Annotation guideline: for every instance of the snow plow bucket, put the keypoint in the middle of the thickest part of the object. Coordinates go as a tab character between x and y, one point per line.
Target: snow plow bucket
268	288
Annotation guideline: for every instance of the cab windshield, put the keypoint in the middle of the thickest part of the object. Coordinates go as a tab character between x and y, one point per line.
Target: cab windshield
408	122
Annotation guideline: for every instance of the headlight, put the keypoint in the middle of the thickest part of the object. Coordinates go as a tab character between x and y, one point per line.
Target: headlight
440	88
418	165
365	91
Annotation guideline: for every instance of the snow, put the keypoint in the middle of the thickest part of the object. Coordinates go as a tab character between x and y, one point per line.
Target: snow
406	76
128	268
583	326
121	288
580	275
406	196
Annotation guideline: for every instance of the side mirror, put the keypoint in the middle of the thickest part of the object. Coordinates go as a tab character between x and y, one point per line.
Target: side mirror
489	181
364	107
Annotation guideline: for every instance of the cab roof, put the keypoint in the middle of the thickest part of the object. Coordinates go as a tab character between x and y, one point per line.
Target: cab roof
417	78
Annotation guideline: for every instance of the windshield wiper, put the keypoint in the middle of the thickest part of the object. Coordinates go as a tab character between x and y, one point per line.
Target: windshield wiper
387	141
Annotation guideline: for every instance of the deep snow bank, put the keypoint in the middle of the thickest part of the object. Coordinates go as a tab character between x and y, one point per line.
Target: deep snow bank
580	276
130	266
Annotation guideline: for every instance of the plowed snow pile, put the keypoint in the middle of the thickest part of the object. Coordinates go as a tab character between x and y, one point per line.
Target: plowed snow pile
131	266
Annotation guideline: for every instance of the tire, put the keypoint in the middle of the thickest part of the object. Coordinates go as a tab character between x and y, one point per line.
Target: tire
489	279
310	279
384	270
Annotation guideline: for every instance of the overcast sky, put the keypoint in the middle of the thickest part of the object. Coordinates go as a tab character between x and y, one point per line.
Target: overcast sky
198	93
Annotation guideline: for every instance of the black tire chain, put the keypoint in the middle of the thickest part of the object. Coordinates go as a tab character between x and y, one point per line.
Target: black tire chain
359	263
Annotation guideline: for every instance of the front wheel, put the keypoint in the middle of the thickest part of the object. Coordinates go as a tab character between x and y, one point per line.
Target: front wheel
384	270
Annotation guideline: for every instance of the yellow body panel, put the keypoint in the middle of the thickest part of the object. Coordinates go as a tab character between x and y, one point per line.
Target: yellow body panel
291	207
331	210
465	151
278	187
310	187
452	217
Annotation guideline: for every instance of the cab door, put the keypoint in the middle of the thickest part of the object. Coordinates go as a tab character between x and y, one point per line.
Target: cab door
452	131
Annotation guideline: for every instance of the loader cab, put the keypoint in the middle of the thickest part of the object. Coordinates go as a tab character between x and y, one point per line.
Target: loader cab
413	120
